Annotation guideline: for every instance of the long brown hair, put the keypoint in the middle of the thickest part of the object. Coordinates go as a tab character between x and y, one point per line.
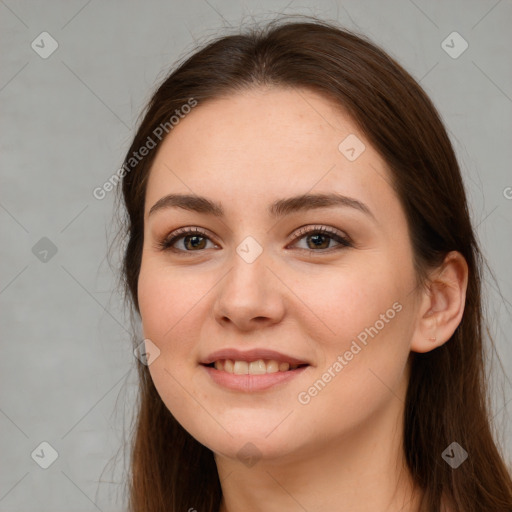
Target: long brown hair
447	398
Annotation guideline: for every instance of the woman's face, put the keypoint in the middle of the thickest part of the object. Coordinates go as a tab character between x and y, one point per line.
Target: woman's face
260	281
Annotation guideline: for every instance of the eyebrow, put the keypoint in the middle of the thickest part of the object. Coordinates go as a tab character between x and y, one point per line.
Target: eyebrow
277	209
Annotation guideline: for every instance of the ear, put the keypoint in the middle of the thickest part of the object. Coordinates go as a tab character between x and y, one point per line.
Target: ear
441	304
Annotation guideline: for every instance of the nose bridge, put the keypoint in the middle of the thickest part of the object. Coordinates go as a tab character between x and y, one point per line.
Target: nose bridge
248	290
248	277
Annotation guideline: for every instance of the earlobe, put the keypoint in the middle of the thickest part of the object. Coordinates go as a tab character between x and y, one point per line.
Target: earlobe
442	304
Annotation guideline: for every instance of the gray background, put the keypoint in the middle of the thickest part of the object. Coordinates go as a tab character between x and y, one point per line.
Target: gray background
67	370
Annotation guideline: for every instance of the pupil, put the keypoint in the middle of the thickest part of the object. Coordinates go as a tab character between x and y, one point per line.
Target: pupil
194	240
317	237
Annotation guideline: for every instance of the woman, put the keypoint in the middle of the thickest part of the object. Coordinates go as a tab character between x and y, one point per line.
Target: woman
302	260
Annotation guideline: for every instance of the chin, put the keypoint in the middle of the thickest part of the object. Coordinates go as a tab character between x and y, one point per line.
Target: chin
250	443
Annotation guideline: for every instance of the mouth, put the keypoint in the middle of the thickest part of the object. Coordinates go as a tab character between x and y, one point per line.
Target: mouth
253	370
256	367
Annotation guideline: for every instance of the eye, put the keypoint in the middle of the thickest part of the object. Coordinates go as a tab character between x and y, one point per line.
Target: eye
195	239
320	237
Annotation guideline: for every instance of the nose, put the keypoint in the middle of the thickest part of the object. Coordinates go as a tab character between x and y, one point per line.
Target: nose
250	296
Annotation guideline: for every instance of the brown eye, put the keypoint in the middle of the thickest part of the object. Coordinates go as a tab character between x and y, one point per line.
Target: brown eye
193	240
318	239
196	242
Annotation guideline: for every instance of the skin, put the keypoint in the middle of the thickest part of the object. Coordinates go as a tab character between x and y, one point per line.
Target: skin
342	450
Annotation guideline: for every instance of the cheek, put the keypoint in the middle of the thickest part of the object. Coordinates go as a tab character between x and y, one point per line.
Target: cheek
367	319
351	299
163	311
172	309
165	315
362	367
156	299
166	300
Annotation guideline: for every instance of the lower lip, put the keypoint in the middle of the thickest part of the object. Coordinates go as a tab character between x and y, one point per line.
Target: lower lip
249	382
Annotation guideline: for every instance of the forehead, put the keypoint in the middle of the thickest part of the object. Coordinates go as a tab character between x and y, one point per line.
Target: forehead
263	143
273	119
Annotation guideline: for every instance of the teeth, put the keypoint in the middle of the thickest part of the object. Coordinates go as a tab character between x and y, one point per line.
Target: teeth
258	367
272	367
241	368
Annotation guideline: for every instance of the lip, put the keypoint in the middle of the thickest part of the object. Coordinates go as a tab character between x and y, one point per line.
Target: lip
251	355
251	383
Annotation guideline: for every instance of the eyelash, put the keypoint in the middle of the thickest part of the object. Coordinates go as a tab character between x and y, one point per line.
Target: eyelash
344	241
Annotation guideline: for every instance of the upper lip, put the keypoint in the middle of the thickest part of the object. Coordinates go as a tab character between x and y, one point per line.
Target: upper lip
250	355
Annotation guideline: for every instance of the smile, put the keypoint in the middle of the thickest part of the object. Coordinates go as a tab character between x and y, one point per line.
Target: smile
252	370
252	376
258	367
